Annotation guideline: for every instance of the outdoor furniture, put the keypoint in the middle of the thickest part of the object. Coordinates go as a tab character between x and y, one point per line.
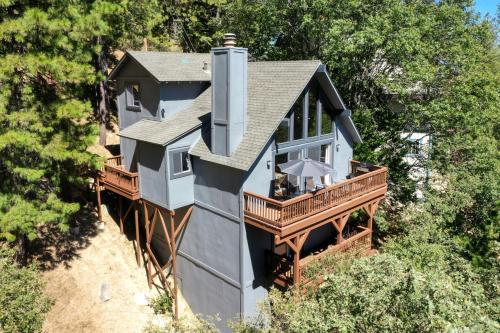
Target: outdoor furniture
306	167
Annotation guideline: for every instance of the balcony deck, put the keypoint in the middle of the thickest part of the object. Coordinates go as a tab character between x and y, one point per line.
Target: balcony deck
115	178
285	217
291	221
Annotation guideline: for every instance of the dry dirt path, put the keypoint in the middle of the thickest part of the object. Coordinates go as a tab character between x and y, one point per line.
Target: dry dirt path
105	257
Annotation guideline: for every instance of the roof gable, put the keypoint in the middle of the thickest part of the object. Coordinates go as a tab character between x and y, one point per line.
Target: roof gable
168	66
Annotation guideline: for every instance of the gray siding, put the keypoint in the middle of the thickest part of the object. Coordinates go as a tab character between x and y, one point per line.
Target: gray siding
209	252
256	241
342	151
181	189
153	173
150	95
176	96
129	151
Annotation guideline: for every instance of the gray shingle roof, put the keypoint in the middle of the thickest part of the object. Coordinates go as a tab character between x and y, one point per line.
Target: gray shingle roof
172	66
273	87
162	133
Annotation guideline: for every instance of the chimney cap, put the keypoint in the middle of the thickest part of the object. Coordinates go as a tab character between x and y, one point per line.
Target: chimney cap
229	39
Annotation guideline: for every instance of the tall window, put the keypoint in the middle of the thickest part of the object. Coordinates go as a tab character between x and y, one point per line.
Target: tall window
312	114
326	119
298	120
283	132
133	96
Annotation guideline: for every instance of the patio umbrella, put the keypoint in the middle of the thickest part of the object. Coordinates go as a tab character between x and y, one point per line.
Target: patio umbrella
306	167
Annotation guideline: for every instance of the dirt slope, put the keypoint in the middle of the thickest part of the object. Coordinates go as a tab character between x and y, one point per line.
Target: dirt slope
105	258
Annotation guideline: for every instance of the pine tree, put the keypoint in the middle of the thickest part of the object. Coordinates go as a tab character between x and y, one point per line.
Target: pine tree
46	126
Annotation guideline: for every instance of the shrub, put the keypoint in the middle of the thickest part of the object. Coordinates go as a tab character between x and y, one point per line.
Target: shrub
23	305
162	303
383	294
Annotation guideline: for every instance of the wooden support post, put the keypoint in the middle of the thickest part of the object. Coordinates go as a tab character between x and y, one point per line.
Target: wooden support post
120	204
99	211
137	235
296	261
174	265
146	226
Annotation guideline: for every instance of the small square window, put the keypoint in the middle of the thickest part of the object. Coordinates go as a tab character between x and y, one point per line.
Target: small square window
414	148
133	95
181	163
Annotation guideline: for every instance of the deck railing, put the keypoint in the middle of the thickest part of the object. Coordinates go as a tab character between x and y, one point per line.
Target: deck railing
282	213
113	174
357	244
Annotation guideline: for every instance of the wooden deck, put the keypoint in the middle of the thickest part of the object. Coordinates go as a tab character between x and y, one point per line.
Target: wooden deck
358	243
281	216
291	221
115	178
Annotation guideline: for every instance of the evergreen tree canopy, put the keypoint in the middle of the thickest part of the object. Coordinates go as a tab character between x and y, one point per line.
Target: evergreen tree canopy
45	113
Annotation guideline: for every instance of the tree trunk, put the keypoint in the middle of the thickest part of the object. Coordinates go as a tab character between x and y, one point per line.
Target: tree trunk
22	250
103	114
101	93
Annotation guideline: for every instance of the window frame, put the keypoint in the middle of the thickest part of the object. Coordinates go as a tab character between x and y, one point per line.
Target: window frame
171	156
417	143
129	96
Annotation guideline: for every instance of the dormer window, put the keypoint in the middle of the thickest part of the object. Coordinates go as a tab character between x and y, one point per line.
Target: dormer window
133	95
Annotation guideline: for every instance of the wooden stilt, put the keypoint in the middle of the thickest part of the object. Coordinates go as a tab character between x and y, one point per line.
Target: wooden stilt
146	226
120	204
99	208
137	235
174	264
296	261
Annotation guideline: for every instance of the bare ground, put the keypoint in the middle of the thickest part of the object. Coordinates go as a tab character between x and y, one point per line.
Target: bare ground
93	258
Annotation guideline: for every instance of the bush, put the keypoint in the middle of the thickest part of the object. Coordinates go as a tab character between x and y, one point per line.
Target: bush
161	304
23	305
383	294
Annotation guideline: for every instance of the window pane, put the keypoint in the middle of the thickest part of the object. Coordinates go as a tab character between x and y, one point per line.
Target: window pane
176	157
186	165
326	119
282	134
278	159
313	153
294	155
298	119
325	154
312	114
136	95
414	148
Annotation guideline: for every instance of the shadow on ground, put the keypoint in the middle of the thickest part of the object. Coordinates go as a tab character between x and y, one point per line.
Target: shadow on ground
55	247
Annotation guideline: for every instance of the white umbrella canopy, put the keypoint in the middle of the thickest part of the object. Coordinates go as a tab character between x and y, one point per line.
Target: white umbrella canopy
306	167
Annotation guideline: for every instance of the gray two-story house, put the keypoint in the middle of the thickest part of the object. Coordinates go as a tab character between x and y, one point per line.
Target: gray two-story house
202	137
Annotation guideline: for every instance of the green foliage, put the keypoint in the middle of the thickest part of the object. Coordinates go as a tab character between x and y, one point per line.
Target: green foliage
161	304
22	303
384	293
185	325
194	25
45	119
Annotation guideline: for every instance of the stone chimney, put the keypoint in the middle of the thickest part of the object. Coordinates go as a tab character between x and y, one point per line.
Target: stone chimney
229	96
